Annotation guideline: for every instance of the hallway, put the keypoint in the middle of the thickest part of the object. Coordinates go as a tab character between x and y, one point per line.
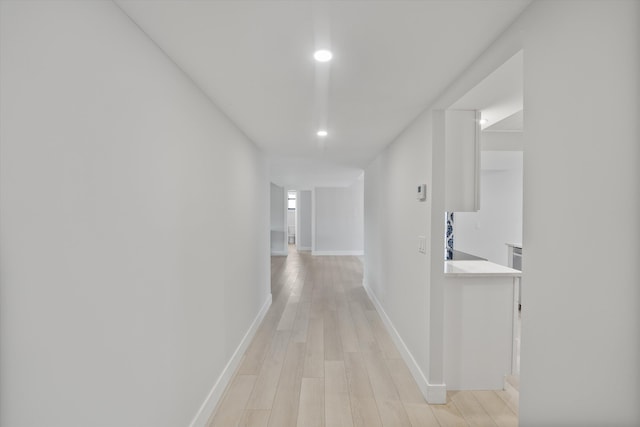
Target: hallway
322	357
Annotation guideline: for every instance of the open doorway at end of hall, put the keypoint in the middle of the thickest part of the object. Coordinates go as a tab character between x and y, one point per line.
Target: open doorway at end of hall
292	197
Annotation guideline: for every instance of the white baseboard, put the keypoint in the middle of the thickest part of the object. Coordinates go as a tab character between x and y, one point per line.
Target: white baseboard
279	253
433	393
209	406
337	253
436	394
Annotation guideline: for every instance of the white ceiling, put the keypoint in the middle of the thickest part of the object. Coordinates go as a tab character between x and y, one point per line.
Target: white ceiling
512	123
254	60
498	96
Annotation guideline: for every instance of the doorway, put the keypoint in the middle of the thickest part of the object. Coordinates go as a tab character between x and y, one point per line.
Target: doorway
492	230
292	219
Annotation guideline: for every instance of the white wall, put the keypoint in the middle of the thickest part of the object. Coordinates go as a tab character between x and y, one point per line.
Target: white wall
580	340
278	220
339	220
395	272
581	327
127	282
304	240
499	220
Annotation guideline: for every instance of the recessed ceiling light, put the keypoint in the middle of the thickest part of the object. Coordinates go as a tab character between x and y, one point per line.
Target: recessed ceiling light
322	133
323	55
484	121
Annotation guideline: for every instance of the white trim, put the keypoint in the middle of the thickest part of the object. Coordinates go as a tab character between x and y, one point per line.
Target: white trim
297	220
436	394
304	248
285	248
279	253
313	220
433	393
209	405
338	253
515	369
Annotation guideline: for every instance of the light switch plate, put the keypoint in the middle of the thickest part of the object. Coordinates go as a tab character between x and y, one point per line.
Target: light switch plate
422	244
421	193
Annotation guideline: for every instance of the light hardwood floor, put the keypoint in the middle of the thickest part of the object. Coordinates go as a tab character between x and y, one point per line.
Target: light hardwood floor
322	357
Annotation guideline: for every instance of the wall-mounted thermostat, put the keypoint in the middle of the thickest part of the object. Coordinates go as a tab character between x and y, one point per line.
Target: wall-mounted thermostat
422	192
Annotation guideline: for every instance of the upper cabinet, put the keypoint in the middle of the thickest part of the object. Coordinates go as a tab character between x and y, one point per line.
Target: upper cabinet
462	160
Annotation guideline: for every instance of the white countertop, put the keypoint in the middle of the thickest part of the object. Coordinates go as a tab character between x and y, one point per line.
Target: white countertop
478	268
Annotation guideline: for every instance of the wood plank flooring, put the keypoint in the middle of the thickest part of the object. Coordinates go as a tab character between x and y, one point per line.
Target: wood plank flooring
322	357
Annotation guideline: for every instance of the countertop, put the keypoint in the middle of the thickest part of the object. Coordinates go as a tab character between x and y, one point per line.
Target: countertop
478	268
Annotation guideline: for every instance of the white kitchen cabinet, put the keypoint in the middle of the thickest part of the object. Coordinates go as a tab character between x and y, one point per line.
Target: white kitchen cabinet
480	317
462	160
478	331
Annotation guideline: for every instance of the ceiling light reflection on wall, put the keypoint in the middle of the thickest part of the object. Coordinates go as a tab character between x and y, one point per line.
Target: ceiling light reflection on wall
323	55
322	133
483	121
